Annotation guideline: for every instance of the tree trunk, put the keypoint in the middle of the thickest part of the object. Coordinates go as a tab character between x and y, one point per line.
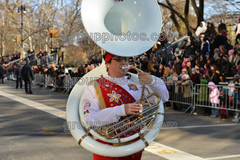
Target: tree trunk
201	11
173	17
3	45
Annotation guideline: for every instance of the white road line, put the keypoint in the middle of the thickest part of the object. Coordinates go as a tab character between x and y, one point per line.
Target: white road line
224	157
155	148
56	112
201	126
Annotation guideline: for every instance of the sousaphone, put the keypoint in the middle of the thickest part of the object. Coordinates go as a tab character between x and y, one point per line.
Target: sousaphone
124	28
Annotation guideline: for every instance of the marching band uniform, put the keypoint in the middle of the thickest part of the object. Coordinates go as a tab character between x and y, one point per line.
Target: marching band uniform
104	101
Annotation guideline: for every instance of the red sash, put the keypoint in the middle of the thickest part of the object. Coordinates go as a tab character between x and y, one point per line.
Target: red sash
115	95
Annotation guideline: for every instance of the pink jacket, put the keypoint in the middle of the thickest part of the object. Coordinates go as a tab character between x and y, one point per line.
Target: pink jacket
214	93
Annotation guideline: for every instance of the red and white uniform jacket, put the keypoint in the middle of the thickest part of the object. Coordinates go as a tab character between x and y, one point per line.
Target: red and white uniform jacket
115	93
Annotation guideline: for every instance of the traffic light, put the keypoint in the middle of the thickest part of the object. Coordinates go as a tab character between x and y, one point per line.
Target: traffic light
55	33
18	38
50	33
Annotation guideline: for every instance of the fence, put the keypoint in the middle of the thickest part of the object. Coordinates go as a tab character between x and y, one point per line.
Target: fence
180	94
170	49
224	99
51	58
65	82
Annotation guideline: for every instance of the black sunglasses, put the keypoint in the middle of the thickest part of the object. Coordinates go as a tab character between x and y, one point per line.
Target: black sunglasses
119	59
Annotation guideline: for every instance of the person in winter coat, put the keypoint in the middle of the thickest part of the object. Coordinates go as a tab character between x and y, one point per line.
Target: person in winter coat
203	97
1	73
186	88
178	52
201	29
28	76
223	102
18	74
214	98
231	56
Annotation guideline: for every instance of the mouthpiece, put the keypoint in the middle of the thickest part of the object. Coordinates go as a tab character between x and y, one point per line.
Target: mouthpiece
125	67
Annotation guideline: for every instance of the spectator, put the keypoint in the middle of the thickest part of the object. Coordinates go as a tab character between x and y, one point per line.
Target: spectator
1	73
186	87
215	74
201	29
221	39
231	56
216	51
173	73
177	53
189	68
236	60
203	97
237	32
223	27
206	68
205	47
195	77
18	72
214	98
152	63
166	72
228	46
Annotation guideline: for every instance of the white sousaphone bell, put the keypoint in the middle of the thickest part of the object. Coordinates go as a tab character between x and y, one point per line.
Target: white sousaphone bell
141	20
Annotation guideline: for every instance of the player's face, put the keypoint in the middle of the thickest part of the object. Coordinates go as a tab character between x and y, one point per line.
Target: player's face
115	67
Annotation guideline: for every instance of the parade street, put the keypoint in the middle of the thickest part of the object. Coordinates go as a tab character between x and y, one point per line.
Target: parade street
33	127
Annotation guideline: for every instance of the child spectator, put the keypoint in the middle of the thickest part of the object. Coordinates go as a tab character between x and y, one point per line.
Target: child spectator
214	98
223	102
203	97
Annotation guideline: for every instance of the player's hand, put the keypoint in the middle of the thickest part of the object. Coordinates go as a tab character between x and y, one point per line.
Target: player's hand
145	78
132	108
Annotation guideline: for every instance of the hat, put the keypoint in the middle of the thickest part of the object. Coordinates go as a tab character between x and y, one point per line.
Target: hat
204	81
169	78
194	69
184	77
237	76
230	52
108	57
175	78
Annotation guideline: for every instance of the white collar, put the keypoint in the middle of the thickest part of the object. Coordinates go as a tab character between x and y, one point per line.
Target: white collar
115	79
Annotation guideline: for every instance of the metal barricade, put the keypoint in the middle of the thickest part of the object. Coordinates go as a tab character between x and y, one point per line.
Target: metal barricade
39	79
10	76
218	98
51	82
67	84
181	95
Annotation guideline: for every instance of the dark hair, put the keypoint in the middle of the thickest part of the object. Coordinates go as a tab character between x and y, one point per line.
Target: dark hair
198	50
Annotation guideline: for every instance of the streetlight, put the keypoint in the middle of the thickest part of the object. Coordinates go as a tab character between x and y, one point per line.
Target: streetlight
22	9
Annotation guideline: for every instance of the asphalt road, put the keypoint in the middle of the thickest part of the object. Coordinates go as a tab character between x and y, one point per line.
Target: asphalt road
29	133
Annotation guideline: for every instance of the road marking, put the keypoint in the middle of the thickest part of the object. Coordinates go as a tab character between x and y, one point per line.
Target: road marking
155	148
201	126
169	152
56	112
224	157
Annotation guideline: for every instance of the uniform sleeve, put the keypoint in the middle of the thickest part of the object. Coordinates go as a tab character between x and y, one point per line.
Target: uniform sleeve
159	87
93	114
